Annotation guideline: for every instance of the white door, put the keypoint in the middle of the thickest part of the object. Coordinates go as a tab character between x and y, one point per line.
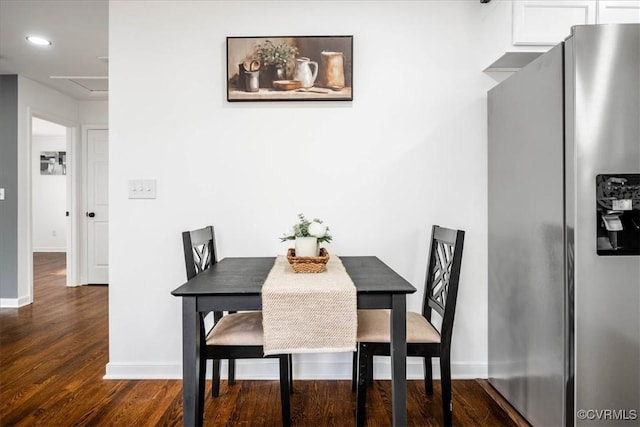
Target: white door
97	214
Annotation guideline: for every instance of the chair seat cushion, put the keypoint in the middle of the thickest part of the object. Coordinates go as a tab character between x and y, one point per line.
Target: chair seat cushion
238	329
374	326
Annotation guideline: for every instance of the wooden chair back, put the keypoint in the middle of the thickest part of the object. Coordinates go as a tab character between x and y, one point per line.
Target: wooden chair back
443	275
199	250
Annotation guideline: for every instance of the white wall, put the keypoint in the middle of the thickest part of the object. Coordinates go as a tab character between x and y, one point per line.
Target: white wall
49	198
408	152
93	112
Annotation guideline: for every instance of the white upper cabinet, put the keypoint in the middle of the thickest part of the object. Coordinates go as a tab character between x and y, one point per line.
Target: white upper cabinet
537	22
618	12
548	22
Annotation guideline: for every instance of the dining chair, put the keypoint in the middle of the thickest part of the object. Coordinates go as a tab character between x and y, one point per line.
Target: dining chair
200	254
424	338
234	335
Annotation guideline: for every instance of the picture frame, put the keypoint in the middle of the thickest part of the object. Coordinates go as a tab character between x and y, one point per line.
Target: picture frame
289	68
53	163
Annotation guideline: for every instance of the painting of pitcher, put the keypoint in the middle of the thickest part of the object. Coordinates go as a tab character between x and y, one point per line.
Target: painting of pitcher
312	68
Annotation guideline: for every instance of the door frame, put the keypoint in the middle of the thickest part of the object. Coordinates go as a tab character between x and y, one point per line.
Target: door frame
72	184
84	257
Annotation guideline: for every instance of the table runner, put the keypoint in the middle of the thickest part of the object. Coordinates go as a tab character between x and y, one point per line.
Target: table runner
309	312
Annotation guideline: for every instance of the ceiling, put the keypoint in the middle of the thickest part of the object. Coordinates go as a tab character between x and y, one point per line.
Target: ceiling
76	63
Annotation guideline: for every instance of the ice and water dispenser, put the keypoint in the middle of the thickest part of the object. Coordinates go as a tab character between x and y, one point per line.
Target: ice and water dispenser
618	214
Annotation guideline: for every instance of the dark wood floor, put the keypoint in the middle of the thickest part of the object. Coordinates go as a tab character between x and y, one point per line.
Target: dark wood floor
53	355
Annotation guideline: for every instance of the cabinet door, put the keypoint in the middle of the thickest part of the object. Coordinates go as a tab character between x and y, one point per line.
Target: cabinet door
548	22
619	11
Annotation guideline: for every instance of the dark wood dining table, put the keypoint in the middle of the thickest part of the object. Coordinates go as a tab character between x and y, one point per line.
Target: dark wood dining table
235	284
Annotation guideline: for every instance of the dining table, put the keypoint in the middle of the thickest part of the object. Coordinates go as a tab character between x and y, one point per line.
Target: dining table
235	284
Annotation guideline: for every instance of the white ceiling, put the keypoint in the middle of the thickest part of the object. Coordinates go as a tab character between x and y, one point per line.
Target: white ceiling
78	57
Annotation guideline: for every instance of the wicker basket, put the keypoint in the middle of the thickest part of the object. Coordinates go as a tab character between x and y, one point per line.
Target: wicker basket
308	264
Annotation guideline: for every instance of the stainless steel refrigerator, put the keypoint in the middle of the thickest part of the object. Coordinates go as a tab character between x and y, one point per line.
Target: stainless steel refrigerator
563	224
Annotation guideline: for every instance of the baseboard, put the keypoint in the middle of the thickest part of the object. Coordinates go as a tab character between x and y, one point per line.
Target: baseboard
304	368
131	371
415	369
15	302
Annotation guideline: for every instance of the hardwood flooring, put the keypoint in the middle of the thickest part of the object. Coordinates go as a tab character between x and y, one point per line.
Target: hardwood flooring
53	355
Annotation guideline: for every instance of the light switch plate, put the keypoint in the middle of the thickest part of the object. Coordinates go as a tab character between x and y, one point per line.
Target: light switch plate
1	193
142	189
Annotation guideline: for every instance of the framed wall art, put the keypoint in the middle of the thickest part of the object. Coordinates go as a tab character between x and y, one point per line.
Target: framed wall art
53	163
290	68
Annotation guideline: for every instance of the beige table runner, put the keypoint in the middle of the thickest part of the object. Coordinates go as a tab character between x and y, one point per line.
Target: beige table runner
309	312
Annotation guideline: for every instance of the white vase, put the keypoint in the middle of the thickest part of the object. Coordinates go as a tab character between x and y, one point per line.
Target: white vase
307	246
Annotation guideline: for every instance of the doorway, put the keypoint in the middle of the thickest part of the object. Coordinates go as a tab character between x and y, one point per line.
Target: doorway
82	163
49	187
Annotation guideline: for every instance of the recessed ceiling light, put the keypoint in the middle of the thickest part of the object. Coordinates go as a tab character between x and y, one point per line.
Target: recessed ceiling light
38	40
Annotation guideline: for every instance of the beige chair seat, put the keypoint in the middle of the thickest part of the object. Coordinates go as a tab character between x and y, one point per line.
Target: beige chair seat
374	326
238	329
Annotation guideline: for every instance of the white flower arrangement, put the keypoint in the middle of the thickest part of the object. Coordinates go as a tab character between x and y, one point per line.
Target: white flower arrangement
305	228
